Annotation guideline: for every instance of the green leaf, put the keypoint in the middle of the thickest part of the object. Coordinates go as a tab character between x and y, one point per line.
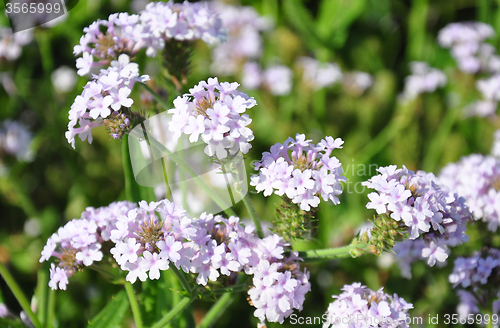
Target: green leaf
301	19
335	17
112	315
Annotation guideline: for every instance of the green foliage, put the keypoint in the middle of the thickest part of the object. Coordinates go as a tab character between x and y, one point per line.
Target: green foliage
377	36
112	315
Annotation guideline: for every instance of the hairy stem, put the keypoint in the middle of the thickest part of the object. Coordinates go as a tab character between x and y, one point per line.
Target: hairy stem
352	250
133	304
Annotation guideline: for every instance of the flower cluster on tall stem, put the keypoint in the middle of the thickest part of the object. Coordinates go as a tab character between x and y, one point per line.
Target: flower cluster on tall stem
152	237
105	97
415	204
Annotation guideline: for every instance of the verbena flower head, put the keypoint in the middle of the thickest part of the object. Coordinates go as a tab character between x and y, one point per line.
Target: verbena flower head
490	90
357	82
279	285
121	36
103	98
477	279
318	74
423	79
421	207
302	171
15	140
213	112
11	44
121	33
185	21
276	79
466	41
244	41
78	244
359	306
476	178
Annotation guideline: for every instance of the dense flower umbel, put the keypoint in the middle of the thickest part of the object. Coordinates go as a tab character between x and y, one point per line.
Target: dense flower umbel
359	306
213	111
103	97
152	237
423	78
78	244
477	178
122	36
185	21
11	44
160	21
466	40
424	209
279	284
302	171
477	276
244	41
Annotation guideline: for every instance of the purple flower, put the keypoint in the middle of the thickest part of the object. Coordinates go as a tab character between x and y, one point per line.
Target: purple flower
214	112
426	210
359	306
301	170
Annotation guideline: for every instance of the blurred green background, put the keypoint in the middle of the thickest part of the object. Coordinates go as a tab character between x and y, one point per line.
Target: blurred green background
376	36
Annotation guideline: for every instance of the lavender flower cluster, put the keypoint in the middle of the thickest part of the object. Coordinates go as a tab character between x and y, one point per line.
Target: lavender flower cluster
359	306
213	111
276	78
105	95
425	209
244	41
302	171
78	243
319	75
466	41
490	90
423	79
479	273
149	238
160	21
15	140
476	178
11	44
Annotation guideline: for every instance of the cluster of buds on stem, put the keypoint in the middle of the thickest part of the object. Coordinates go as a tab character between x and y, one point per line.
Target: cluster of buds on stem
119	124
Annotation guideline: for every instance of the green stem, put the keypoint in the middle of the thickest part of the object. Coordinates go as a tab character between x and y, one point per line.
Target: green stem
157	97
184	303
217	310
334	253
253	214
437	143
19	296
235	288
50	308
133	304
182	279
183	165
